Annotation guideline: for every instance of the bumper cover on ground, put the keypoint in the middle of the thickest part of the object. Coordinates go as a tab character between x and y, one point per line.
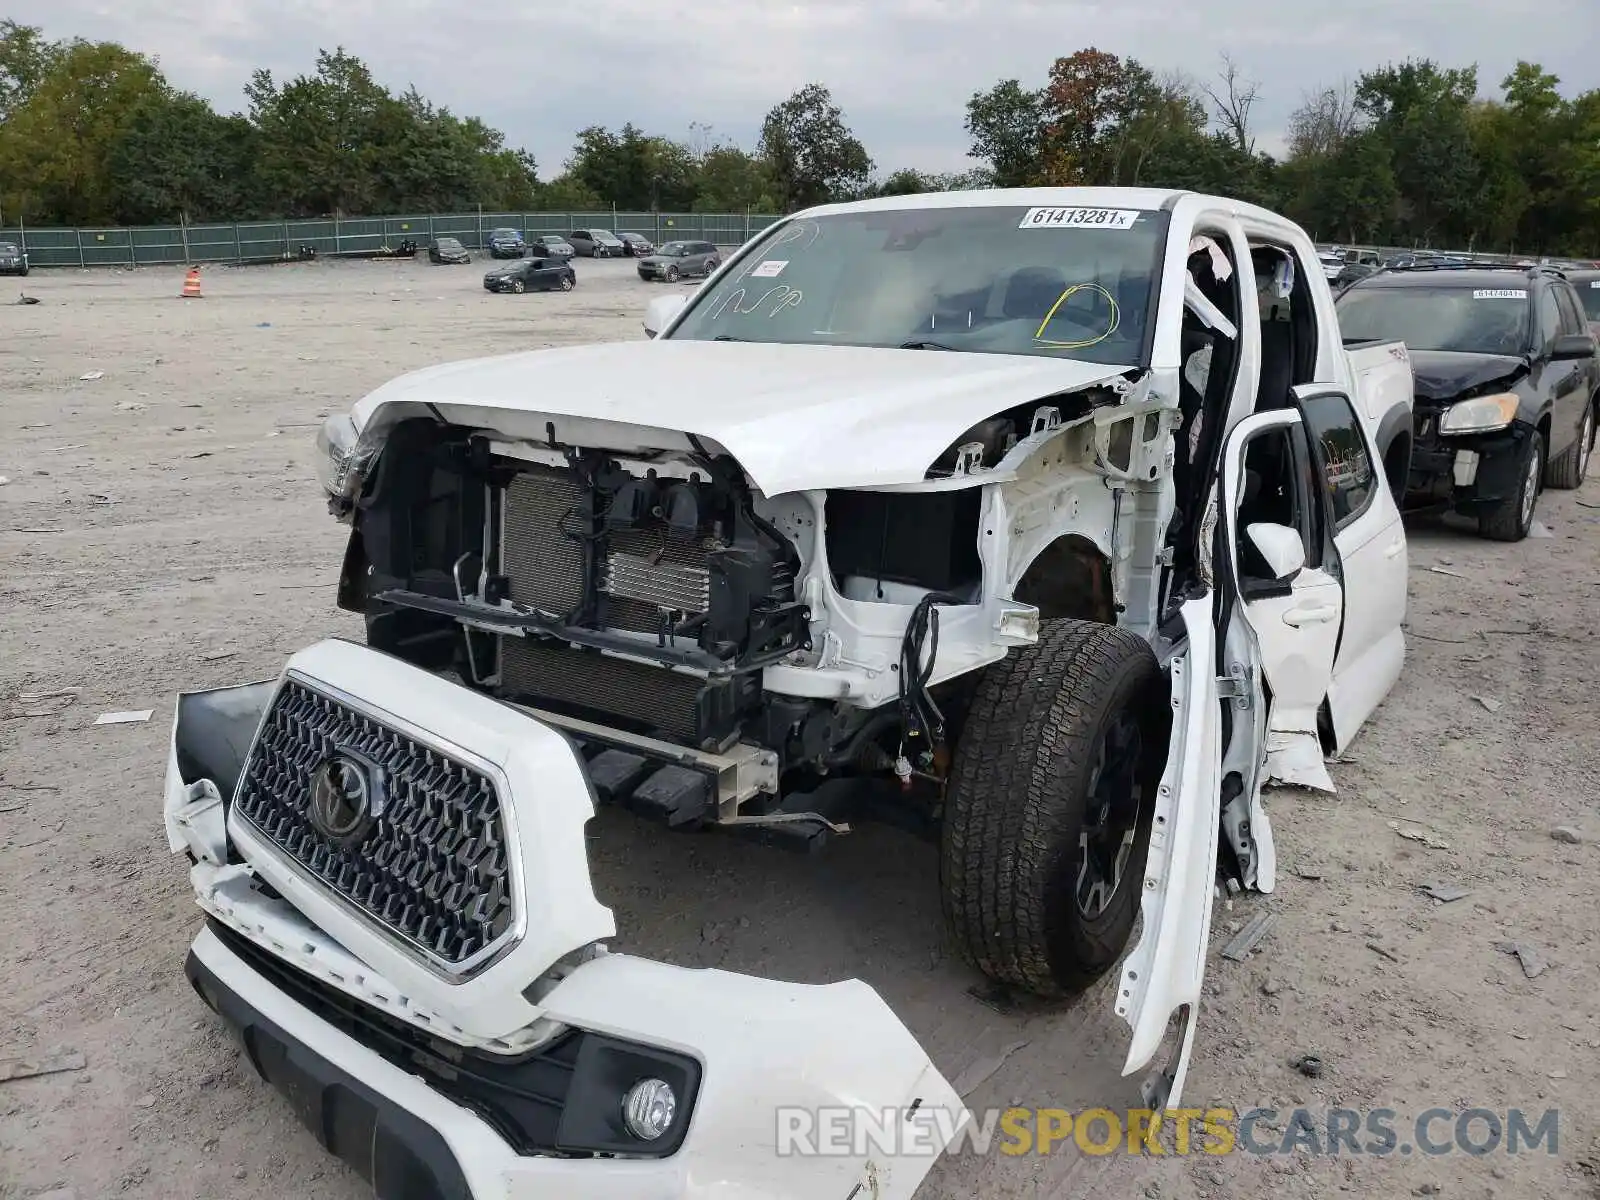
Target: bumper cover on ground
759	1048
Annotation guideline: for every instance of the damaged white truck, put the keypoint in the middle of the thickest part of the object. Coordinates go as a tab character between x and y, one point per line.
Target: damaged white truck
1054	522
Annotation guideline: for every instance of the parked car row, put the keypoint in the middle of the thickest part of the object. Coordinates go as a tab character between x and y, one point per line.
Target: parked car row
1506	373
585	243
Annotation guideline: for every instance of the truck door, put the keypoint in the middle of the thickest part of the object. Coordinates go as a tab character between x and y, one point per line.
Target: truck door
1369	544
1280	567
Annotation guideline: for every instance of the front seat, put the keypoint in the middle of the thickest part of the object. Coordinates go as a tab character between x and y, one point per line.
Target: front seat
1031	292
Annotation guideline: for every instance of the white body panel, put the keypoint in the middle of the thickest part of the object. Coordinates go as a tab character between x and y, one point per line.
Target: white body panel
759	1044
796	417
763	1045
1163	974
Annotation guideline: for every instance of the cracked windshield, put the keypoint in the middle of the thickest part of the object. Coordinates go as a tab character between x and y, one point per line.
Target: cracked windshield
1068	282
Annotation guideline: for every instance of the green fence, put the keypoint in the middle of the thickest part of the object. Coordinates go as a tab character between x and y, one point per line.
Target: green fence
146	246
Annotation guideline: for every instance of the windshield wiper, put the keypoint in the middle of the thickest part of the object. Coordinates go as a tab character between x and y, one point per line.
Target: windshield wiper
925	345
728	337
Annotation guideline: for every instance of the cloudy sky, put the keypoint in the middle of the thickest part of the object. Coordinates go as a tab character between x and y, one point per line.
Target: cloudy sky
902	69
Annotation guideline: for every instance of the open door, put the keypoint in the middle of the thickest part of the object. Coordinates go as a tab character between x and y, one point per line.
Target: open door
1162	976
1278	552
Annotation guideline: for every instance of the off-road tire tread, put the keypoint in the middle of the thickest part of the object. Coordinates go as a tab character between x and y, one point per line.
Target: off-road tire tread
1032	723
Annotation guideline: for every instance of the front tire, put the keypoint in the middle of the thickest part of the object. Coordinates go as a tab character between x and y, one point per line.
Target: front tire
1047	821
518	286
1512	518
1568	471
568	283
672	274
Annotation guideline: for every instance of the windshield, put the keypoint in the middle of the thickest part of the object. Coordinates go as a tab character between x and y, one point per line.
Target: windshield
603	235
1069	282
1460	319
9	248
674	249
1589	292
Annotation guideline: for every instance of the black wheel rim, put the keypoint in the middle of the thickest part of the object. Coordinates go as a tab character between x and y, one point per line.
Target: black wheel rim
1111	816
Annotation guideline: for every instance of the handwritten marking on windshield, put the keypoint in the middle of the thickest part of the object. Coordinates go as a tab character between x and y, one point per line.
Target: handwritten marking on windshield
1084	344
789	298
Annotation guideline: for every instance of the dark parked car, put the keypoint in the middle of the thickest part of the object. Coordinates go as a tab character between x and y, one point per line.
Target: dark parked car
551	245
635	245
507	243
678	260
1587	281
532	275
1506	376
448	250
13	259
597	243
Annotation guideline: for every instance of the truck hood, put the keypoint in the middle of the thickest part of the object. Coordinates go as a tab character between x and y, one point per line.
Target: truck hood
1445	374
795	417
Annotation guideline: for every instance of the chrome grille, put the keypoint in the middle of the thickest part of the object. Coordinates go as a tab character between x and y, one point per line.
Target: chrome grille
433	870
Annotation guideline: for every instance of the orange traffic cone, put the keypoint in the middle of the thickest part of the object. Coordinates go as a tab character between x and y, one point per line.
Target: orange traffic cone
191	284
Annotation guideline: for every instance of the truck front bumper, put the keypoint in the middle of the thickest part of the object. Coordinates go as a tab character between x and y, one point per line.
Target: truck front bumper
501	1087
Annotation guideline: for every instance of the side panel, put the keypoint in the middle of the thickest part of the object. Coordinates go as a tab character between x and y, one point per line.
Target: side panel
1383	384
1164	973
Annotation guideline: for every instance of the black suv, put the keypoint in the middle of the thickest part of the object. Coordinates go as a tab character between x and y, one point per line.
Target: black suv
1507	379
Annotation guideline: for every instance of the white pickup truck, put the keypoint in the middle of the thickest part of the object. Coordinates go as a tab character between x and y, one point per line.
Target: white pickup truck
1054	519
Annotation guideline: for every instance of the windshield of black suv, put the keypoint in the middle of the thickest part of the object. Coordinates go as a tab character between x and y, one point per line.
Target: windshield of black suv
674	249
1068	282
10	248
1466	320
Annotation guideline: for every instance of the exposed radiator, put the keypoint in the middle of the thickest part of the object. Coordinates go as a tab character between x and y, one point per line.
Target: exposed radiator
642	570
654	697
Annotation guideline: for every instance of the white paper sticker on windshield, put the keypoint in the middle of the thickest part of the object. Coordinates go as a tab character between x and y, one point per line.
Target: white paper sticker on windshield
1500	294
773	266
1079	218
1594	283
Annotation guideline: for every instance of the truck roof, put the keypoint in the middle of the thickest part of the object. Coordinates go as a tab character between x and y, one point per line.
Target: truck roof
1086	197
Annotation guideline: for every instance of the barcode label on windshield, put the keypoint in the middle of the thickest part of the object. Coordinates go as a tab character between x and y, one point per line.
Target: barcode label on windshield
1594	283
1079	218
1499	294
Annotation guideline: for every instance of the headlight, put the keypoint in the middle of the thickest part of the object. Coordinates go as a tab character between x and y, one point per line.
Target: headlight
340	460
1482	414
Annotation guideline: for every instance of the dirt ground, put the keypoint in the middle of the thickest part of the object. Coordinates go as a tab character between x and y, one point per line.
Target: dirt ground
164	513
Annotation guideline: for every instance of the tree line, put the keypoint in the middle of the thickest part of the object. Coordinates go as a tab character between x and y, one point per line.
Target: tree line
93	133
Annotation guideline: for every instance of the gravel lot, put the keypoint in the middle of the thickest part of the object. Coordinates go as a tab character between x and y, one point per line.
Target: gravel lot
165	512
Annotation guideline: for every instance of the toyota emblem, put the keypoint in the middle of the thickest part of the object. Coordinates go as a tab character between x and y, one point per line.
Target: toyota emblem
346	799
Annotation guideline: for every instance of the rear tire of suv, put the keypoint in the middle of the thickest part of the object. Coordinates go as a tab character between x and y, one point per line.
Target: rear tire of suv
1047	820
1568	471
1510	520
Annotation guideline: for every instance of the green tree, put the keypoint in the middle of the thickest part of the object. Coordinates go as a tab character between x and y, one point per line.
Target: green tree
324	136
811	152
1421	112
1004	125
566	193
178	159
57	143
730	180
25	59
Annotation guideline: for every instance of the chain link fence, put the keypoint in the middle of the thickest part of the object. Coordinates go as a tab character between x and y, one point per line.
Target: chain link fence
156	245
